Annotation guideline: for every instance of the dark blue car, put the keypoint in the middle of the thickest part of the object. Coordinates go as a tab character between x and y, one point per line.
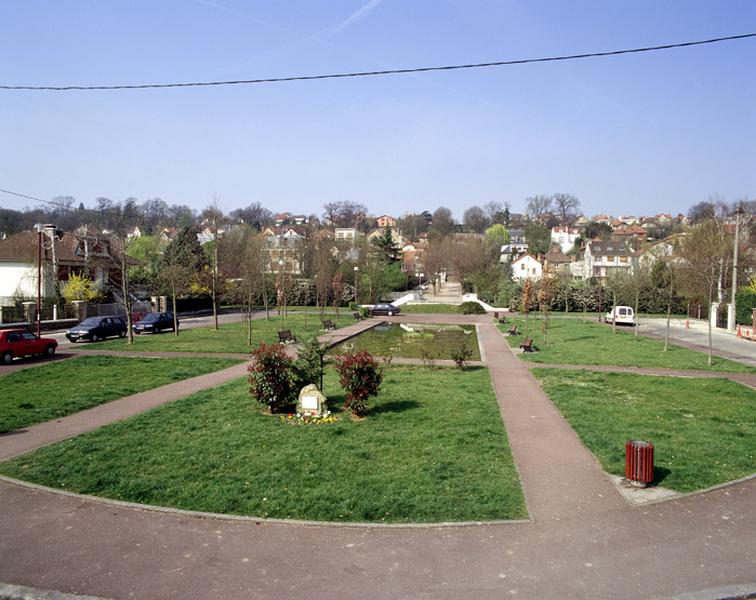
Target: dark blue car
155	323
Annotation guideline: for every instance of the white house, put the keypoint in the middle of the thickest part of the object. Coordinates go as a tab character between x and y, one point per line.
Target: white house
345	234
604	256
565	237
526	267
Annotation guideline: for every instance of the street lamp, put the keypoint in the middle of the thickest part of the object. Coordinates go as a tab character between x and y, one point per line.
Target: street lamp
356	272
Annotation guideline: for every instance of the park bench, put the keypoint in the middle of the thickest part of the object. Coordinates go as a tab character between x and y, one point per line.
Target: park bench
286	336
357	316
502	320
527	345
329	325
513	330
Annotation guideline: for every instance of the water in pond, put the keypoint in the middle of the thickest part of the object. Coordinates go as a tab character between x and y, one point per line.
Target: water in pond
408	340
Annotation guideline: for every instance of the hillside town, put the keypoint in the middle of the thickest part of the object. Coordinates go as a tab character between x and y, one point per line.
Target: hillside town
492	251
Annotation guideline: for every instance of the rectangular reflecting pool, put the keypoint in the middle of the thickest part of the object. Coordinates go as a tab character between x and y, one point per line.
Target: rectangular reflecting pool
408	340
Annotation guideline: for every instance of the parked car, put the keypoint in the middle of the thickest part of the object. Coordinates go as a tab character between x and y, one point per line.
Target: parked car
385	310
622	315
155	323
95	329
15	343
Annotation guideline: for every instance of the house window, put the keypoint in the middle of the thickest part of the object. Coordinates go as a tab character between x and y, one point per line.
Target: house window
606	258
522	266
623	259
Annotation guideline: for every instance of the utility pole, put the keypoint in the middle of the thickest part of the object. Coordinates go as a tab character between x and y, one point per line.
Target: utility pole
38	316
731	317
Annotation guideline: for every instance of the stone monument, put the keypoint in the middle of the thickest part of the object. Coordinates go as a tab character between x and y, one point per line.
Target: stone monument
312	402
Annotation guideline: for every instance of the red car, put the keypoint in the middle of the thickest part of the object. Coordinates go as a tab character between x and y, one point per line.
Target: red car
15	343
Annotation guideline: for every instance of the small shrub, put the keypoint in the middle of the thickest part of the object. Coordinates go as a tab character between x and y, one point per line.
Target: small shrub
272	379
429	360
361	377
364	312
461	355
471	308
309	365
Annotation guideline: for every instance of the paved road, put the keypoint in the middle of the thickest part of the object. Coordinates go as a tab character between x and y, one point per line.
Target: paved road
696	337
584	541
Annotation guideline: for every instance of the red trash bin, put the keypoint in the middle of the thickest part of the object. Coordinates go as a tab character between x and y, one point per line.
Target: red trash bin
639	461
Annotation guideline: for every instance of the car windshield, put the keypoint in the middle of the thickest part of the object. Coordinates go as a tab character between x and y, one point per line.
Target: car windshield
150	318
90	322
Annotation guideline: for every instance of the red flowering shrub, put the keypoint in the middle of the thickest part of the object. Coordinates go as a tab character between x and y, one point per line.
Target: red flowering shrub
360	376
271	377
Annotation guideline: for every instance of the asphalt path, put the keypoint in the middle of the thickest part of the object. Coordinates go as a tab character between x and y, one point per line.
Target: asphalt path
696	337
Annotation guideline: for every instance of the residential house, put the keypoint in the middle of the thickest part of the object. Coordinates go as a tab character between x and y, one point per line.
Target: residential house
284	254
557	260
660	250
512	251
395	235
527	267
581	222
63	254
565	237
601	257
167	234
413	257
603	219
282	219
345	234
134	233
385	220
516	236
632	233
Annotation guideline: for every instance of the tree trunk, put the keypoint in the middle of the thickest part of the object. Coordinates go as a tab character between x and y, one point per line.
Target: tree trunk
669	315
126	297
215	280
175	316
614	315
711	291
637	302
265	298
249	317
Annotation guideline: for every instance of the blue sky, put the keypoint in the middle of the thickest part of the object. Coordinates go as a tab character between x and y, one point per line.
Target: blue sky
635	134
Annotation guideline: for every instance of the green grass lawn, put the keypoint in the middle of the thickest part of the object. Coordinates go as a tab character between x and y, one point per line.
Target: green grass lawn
578	342
703	430
432	448
231	337
434	309
62	388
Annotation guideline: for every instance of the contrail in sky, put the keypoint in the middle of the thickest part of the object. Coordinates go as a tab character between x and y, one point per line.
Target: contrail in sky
357	15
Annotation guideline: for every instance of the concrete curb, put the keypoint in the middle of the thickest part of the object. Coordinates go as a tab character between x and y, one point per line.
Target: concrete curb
727	592
258	520
18	592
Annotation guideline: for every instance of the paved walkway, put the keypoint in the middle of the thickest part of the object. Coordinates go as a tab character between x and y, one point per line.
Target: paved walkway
585	541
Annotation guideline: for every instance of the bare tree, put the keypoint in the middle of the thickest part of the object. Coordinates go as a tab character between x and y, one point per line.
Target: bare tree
703	252
213	216
475	219
567	207
538	207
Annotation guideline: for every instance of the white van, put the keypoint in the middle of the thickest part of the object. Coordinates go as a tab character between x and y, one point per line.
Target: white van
622	315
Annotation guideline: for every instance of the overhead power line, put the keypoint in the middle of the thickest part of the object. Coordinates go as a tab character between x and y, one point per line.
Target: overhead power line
498	63
59	205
